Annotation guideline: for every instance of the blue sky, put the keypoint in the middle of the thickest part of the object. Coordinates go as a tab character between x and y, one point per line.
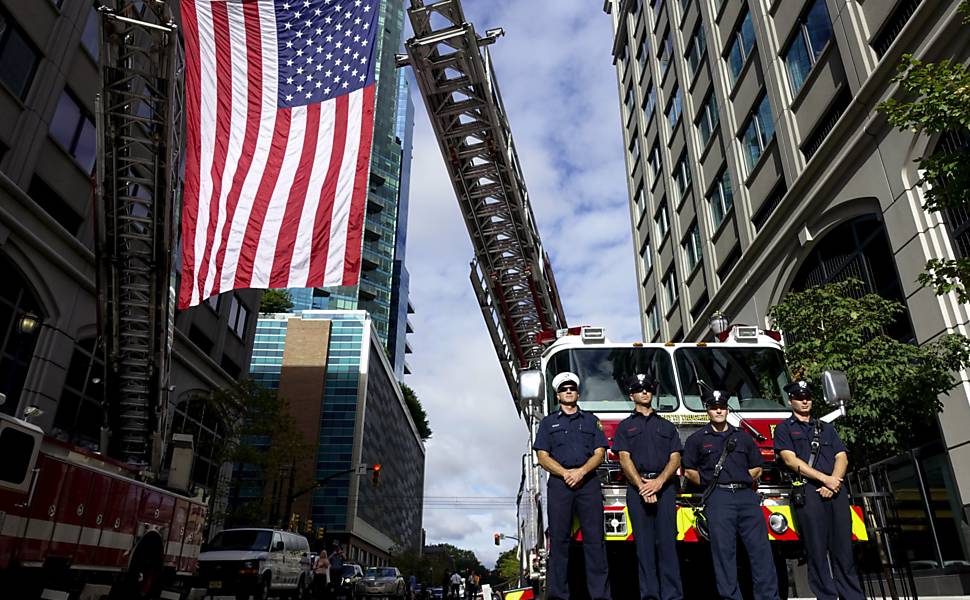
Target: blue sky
559	85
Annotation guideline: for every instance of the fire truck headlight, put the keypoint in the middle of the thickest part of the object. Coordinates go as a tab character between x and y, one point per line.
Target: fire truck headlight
778	523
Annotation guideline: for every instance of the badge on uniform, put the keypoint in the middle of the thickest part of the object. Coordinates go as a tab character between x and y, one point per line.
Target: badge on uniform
599	424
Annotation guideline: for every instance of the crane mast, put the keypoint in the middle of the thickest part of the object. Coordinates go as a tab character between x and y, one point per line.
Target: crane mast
511	273
139	131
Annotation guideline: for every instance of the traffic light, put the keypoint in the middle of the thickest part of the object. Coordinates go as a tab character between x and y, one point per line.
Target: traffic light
375	477
321	532
498	537
309	527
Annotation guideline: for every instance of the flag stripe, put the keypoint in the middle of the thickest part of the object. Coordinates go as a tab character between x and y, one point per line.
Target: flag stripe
244	37
190	190
322	223
222	131
300	262
280	117
345	189
272	221
289	228
355	228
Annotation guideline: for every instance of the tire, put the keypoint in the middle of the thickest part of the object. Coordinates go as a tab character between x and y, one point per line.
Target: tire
143	579
262	592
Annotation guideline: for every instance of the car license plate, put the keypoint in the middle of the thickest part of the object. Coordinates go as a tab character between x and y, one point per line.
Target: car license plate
215	585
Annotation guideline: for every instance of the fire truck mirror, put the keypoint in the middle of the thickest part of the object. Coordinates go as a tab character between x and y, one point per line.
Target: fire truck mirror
19	445
835	388
530	388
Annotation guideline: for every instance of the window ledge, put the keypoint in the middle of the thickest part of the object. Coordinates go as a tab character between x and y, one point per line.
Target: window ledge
673	308
675	128
813	74
716	132
761	160
722	226
694	271
748	60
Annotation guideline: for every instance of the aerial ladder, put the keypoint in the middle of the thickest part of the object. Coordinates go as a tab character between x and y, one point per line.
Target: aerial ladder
511	273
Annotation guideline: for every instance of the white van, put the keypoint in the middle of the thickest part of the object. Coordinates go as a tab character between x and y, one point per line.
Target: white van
256	562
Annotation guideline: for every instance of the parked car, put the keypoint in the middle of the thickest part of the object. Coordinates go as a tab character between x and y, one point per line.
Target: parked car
437	593
384	582
257	562
351	583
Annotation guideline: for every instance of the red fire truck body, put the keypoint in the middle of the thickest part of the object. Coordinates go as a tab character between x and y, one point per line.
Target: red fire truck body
85	518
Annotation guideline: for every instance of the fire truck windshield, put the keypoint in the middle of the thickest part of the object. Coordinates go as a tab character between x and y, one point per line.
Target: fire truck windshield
602	370
755	376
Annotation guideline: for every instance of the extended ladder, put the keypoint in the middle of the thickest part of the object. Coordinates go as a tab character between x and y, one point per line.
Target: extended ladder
511	273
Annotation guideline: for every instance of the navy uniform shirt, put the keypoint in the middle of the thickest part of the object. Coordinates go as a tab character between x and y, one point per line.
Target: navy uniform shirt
570	439
703	448
795	435
650	440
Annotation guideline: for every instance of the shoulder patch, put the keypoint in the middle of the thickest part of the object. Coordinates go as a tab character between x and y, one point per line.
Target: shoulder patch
599	424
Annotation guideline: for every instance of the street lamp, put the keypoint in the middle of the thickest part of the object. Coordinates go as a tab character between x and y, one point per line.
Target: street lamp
718	322
28	324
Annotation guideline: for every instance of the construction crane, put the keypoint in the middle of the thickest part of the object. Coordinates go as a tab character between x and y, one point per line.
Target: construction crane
139	133
511	272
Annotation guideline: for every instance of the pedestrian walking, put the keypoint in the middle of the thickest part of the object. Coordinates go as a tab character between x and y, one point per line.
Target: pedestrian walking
470	586
649	449
336	568
728	463
570	444
814	451
456	586
321	575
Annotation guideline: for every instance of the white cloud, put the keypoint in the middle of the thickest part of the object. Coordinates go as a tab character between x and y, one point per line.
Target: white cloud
559	86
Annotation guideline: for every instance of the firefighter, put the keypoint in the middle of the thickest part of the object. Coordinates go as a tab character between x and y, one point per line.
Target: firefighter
733	509
649	449
570	444
825	519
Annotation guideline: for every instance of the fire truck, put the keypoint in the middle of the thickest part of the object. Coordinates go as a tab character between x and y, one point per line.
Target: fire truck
121	522
745	360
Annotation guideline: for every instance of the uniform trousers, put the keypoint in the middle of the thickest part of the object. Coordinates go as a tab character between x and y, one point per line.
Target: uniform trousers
732	514
586	502
655	535
825	525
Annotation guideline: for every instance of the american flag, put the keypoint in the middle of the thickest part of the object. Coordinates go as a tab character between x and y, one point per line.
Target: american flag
279	120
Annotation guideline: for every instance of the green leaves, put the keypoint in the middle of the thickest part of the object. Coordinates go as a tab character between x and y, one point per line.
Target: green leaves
895	385
276	301
417	412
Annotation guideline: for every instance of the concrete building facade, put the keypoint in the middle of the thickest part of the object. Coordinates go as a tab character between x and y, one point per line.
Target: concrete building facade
48	81
333	371
757	164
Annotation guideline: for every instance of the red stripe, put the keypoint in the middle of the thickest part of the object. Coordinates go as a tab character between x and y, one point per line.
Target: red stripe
280	276
250	245
320	243
190	192
254	59
355	226
223	124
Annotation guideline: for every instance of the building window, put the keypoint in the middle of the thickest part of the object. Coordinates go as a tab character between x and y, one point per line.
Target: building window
213	302
666	51
812	33
650	102
74	130
670	289
696	49
756	133
721	199
18	59
646	257
707	119
54	205
16	348
654	163
629	103
692	247
238	317
622	60
80	412
91	37
634	151
673	108
657	7
684	5
742	43
639	203
643	54
662	221
653	320
682	176
205	423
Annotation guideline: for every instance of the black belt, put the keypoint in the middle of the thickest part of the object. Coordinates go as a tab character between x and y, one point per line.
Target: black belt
650	475
734	486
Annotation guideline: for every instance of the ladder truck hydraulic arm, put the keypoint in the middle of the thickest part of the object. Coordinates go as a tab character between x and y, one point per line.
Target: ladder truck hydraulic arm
511	273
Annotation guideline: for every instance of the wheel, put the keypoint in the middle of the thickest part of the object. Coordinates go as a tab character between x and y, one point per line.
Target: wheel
262	592
144	575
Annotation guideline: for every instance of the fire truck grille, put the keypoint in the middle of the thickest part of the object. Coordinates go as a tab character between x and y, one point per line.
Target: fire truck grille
614	523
